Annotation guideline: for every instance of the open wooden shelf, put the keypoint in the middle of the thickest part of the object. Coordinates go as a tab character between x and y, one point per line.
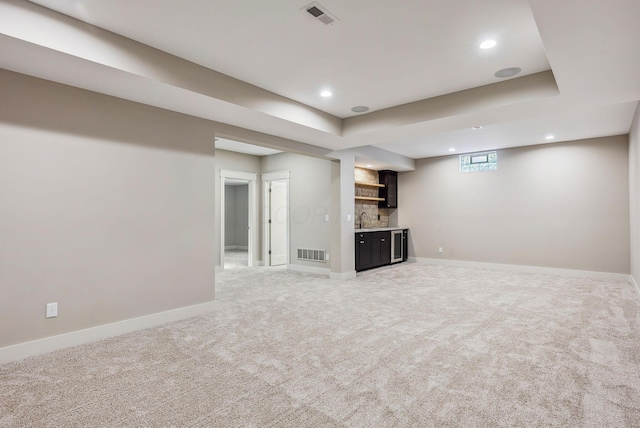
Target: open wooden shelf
366	198
360	183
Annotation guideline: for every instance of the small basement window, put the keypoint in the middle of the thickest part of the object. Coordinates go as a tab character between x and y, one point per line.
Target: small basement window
487	161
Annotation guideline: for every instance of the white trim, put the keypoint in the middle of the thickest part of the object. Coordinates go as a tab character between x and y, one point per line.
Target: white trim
251	178
634	284
343	276
278	175
310	269
219	269
238	175
266	178
523	268
93	334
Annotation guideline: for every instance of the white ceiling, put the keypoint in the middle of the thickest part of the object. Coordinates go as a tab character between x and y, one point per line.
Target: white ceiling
380	54
577	124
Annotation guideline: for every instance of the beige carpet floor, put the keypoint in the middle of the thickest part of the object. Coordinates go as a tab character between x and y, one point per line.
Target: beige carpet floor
236	259
409	345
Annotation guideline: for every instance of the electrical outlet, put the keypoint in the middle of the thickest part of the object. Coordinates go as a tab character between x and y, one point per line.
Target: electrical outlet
326	217
52	310
440	250
326	257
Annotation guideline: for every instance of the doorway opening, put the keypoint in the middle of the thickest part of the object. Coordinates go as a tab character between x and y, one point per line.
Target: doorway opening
236	225
238	228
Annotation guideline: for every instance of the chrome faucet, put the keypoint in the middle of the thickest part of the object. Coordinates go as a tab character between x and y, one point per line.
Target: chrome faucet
363	214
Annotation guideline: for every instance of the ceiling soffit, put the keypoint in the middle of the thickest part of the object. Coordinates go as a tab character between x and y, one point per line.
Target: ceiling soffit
110	50
514	91
379	54
105	62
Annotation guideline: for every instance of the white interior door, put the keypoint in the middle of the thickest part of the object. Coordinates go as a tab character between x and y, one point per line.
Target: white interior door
278	219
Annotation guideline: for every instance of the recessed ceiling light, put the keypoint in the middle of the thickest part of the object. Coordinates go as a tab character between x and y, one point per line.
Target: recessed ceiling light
477	127
452	149
360	109
326	93
488	44
369	166
549	137
507	72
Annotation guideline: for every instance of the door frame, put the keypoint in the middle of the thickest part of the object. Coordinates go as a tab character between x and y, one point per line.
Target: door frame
266	178
251	178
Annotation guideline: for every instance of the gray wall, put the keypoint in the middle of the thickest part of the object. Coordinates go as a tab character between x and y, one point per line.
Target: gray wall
634	195
560	205
236	217
106	208
229	219
310	200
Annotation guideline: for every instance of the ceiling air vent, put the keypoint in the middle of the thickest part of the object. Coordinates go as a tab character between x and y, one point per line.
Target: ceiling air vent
320	13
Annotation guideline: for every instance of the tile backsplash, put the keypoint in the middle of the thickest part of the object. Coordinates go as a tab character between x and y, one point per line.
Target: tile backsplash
374	217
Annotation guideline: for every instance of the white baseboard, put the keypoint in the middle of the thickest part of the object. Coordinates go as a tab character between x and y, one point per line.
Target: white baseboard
523	268
343	276
80	337
310	269
236	247
323	271
633	282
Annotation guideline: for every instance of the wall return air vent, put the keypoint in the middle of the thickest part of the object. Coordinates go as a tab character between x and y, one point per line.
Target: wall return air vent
320	13
312	255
